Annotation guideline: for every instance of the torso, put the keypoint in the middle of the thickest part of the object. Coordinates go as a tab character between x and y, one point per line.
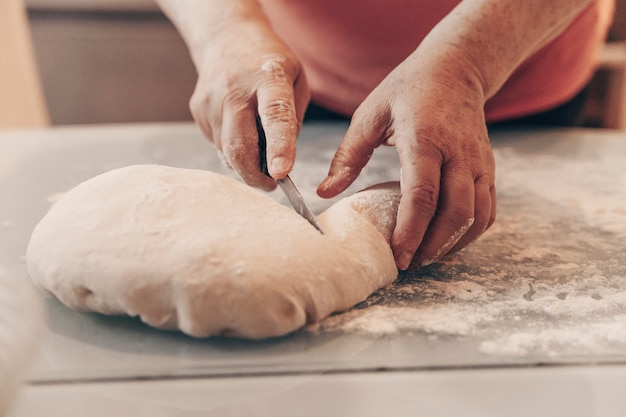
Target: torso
348	47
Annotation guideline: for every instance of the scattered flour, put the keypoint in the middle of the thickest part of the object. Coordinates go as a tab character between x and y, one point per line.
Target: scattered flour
595	338
440	320
549	278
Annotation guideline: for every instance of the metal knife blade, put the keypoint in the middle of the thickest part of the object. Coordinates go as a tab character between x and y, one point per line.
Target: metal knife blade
286	184
296	200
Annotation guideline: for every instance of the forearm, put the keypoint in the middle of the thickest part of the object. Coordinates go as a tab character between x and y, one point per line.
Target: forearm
198	21
493	37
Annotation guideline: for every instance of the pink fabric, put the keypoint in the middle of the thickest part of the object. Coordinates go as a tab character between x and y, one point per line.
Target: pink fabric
348	47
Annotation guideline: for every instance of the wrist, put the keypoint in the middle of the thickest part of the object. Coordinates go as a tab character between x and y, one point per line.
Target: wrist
200	23
454	68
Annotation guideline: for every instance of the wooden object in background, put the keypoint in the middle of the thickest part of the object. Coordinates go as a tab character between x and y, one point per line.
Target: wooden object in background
22	103
104	61
613	62
606	104
114	65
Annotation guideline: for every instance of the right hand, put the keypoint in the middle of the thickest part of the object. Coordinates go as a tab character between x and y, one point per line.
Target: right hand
243	71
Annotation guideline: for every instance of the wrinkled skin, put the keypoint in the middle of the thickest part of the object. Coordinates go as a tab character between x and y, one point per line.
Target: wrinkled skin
430	108
435	120
257	73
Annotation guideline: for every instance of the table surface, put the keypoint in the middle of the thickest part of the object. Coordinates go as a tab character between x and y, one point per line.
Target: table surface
530	319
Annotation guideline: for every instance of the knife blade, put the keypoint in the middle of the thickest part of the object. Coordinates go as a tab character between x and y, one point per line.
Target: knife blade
296	200
286	184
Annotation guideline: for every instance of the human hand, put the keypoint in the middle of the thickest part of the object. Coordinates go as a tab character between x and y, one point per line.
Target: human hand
432	111
247	70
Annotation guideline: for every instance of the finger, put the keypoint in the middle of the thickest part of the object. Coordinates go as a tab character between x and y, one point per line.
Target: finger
200	112
484	214
277	109
454	218
365	133
492	216
199	108
214	136
302	96
240	147
216	139
419	186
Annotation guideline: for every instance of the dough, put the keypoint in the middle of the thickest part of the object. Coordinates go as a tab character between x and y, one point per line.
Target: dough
196	251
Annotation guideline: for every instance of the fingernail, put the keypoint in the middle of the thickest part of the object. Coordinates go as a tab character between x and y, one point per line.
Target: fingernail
404	260
326	183
279	165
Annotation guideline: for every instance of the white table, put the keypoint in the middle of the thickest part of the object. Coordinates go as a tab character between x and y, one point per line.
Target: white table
529	320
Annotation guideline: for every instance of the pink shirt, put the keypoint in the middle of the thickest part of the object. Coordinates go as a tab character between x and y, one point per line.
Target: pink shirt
348	47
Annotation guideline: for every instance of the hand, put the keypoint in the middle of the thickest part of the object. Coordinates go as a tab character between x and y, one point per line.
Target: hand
432	111
247	70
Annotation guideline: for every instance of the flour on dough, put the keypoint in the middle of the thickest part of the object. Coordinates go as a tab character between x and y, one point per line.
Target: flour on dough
196	251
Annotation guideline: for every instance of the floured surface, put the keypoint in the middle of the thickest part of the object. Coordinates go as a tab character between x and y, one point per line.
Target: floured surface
21	324
550	183
549	278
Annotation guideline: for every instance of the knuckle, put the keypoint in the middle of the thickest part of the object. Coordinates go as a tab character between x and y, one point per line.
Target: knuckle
435	138
347	164
433	131
279	68
370	118
346	156
230	92
485	178
231	83
198	103
235	100
275	67
373	121
279	110
208	132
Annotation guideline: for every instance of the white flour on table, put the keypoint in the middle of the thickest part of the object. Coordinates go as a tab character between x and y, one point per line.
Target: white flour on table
548	278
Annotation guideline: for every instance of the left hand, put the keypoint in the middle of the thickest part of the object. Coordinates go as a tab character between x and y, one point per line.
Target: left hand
431	109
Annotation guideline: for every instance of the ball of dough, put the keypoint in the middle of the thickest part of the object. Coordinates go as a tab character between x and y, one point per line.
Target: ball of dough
208	255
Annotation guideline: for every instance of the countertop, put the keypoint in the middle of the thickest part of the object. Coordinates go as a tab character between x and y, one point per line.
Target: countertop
528	320
93	5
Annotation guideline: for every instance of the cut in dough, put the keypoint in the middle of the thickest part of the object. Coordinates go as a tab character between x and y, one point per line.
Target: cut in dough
200	252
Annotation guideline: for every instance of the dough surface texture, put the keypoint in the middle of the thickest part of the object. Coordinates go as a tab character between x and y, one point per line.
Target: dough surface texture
208	255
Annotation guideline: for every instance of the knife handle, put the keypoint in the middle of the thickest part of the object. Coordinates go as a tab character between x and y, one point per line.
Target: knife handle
262	147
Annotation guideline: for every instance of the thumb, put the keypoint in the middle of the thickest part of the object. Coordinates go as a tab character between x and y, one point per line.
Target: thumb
365	133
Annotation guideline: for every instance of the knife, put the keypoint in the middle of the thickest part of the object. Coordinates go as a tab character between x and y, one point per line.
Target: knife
286	184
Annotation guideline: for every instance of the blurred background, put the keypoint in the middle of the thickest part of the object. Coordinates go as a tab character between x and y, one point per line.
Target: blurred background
111	61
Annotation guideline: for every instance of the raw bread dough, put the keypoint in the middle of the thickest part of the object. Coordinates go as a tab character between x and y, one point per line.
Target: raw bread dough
196	251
